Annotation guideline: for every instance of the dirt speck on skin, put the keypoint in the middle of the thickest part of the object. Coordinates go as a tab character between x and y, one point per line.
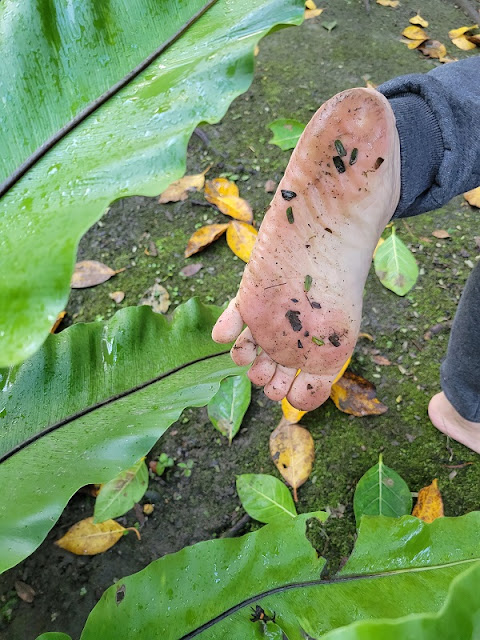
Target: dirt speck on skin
294	319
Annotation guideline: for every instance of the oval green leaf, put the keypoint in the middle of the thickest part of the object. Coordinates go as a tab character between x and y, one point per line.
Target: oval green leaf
118	496
228	406
264	497
286	132
381	492
395	265
134	143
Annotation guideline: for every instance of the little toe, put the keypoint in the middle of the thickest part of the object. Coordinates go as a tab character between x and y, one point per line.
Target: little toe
281	382
309	391
244	351
262	370
229	325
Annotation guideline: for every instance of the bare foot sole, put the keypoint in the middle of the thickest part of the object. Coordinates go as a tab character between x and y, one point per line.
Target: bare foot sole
447	419
301	292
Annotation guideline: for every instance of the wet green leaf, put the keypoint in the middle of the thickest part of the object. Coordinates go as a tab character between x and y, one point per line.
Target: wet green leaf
264	497
227	408
286	132
381	491
395	265
118	496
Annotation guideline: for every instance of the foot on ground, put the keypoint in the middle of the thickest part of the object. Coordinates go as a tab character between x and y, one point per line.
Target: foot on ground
447	419
301	293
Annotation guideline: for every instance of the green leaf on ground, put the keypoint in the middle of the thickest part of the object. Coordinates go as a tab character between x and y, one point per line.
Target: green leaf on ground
90	403
381	492
118	496
286	132
329	25
265	498
395	265
133	144
54	635
228	406
399	567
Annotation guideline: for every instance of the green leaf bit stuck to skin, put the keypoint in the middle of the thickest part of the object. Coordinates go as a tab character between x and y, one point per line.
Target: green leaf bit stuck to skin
290	217
317	341
353	156
340	148
308	283
339	166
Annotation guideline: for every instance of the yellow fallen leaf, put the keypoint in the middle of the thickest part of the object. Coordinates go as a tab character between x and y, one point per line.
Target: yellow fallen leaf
233	206
89	273
148	509
312	13
354	395
388	3
473	197
414	33
58	321
456	33
475	39
220	187
310	4
379	243
293	452
179	189
291	414
433	49
418	20
462	42
413	44
88	539
429	505
203	237
241	239
256	50
342	370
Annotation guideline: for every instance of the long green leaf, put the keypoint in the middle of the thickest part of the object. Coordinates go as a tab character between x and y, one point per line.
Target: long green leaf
118	496
90	403
395	265
57	58
399	566
381	492
265	497
227	408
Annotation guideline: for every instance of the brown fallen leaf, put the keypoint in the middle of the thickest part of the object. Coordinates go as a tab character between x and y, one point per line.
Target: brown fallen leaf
191	269
415	33
434	49
293	452
441	234
156	297
241	239
389	3
89	273
179	189
424	239
419	21
475	39
117	296
270	186
152	249
312	13
429	505
381	361
24	591
204	237
354	395
473	197
58	321
87	539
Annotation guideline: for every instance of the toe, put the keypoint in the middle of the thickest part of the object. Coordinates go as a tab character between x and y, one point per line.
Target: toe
309	391
229	325
281	382
262	370
244	351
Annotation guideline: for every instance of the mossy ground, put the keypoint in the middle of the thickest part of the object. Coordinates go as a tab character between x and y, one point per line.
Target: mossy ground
297	70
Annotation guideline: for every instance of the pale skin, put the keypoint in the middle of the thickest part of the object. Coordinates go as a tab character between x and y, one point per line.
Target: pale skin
301	292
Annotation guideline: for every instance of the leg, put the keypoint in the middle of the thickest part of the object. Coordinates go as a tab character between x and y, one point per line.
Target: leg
301	292
456	411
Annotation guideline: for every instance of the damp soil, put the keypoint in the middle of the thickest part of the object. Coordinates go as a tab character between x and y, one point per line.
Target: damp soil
410	332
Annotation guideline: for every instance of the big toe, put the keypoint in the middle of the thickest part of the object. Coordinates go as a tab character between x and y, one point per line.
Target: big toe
229	325
309	391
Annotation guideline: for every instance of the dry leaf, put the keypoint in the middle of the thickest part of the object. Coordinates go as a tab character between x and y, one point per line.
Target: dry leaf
415	33
270	186
58	321
433	49
413	44
179	189
368	336
148	509
429	505
462	42
241	239
475	39
291	414
24	591
233	206
156	297
310	4
354	395
89	273
388	3
88	539
117	296
220	187
152	249
441	234
204	237
419	21
473	197
312	13
456	33
293	452
191	269
381	361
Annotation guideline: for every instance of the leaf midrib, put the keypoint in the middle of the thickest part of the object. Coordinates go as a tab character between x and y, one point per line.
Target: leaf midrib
269	499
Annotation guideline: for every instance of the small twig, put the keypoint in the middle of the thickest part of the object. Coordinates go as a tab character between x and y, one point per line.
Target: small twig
202	135
230	533
202	203
468	8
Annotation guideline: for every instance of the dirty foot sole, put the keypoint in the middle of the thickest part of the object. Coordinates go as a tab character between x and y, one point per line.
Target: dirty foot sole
301	292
